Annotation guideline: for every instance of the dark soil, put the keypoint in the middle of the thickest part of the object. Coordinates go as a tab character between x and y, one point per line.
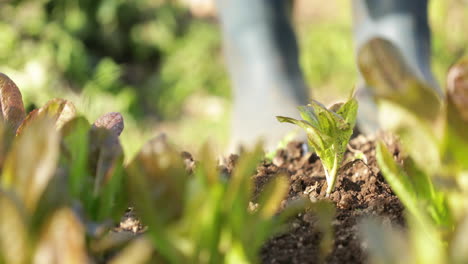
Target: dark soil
360	191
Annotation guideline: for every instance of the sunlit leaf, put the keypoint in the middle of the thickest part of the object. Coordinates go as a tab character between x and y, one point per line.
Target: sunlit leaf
32	161
14	243
60	110
398	179
111	240
456	139
459	245
385	244
325	212
414	189
138	251
62	240
418	138
11	103
427	243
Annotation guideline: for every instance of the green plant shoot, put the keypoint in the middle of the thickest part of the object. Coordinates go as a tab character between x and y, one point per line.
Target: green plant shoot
328	132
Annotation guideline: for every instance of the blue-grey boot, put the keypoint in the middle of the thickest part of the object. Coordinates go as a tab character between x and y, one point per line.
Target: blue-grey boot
405	24
262	57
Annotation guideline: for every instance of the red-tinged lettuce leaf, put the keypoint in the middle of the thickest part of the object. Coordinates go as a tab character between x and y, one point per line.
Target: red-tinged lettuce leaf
105	152
106	166
112	121
157	184
14	241
32	161
157	177
385	70
11	103
60	110
62	240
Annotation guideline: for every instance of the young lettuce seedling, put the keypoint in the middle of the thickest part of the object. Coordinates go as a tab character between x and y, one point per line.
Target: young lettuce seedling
328	132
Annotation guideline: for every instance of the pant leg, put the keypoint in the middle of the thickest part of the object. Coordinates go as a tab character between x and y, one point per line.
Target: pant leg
262	59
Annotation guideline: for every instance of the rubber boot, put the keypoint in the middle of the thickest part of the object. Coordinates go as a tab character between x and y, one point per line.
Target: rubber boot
262	57
405	24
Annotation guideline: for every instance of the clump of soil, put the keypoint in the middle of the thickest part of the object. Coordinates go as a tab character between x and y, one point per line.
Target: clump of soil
360	191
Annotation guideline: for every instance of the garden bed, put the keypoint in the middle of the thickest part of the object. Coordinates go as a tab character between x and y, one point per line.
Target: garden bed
360	191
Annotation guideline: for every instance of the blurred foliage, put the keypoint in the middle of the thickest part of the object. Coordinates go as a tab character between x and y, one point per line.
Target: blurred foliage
430	181
64	186
145	58
141	58
327	51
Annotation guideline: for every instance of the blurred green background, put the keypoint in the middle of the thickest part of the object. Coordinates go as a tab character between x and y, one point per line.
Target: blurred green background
159	62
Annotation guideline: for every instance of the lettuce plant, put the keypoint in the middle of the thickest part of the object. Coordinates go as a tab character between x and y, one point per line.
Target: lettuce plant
53	162
431	180
328	132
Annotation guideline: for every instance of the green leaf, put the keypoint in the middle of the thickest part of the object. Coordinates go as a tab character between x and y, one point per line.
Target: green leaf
349	111
240	185
75	155
314	136
272	195
308	114
415	191
398	179
328	132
